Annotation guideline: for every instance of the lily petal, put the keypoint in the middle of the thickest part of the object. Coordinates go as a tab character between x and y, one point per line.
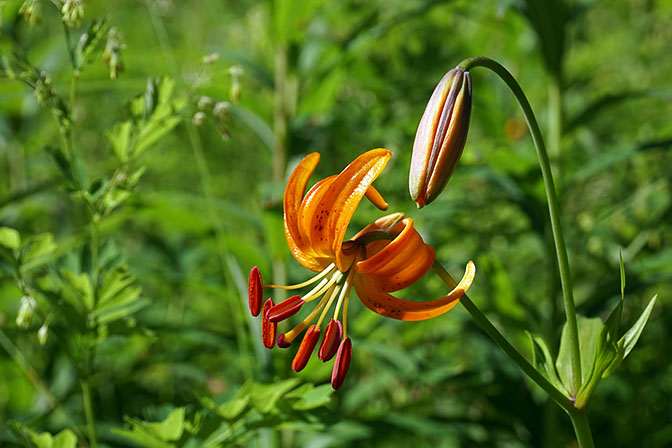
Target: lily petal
389	306
340	201
296	187
311	224
400	262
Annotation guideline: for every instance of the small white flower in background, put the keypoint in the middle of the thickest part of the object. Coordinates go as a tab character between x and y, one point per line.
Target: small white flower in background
221	110
73	12
26	310
112	52
205	103
210	58
236	71
198	119
43	334
31	11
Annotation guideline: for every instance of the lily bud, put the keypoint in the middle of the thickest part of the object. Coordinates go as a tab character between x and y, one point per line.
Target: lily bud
441	136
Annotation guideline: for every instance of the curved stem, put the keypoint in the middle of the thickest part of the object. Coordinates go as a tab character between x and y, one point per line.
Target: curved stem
504	344
553	209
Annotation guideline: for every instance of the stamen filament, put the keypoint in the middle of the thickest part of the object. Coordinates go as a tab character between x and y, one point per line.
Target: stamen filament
345	316
344	292
294	332
310	281
332	296
321	287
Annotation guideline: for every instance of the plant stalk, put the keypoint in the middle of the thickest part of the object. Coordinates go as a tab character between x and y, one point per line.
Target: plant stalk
553	209
581	428
88	412
504	344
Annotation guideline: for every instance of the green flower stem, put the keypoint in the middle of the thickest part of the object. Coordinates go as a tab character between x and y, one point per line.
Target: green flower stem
504	344
88	412
553	209
581	428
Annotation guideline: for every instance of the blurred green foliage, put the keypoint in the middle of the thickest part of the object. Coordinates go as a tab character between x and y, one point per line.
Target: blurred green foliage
131	209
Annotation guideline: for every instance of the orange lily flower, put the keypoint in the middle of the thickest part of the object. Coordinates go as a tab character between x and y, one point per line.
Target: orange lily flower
386	256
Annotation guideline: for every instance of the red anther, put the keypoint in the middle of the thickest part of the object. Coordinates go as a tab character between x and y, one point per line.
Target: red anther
268	328
306	348
286	309
281	341
332	336
341	364
255	289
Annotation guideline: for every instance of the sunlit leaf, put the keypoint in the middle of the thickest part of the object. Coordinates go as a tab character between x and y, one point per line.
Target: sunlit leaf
78	288
631	337
10	238
311	397
36	250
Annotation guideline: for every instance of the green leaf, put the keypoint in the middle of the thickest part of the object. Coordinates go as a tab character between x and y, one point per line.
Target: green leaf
156	435
90	43
153	131
65	439
10	238
142	437
234	408
29	438
78	288
264	397
589	331
543	361
114	282
120	138
311	397
230	410
630	338
606	351
121	311
171	428
36	250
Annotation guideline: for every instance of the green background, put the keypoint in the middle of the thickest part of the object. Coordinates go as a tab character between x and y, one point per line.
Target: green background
341	78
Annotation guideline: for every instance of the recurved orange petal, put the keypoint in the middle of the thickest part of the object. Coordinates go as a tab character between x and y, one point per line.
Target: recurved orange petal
296	187
399	263
389	306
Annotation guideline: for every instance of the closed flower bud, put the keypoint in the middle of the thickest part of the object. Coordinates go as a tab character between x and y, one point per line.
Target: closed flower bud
43	335
205	103
198	119
26	310
441	136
